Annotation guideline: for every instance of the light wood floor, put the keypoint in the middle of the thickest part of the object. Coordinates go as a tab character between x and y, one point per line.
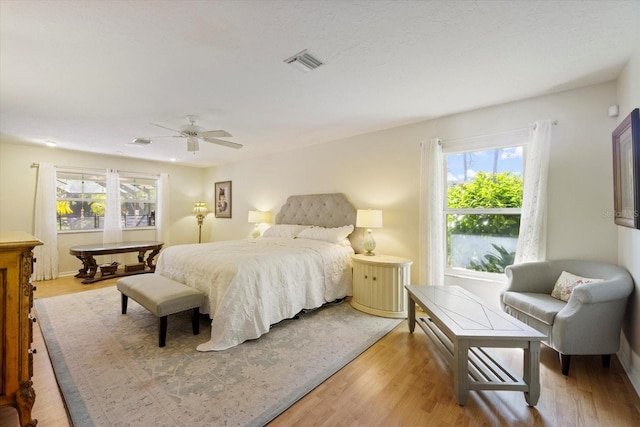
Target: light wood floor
403	381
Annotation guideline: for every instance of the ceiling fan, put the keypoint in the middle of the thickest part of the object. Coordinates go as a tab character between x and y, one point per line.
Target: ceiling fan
193	133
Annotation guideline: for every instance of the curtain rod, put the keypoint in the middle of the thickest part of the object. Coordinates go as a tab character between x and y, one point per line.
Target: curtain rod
36	165
531	126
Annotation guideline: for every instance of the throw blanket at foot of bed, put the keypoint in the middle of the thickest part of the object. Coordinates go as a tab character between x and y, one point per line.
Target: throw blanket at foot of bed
253	284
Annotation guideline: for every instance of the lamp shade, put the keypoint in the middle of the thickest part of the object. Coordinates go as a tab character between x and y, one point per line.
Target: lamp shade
369	218
256	217
200	208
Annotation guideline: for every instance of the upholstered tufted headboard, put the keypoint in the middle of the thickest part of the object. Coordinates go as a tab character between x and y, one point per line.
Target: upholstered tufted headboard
324	210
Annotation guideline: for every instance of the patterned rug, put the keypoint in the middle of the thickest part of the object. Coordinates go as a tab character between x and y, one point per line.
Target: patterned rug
112	372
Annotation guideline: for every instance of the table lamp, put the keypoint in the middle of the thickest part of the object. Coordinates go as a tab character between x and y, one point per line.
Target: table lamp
369	218
257	217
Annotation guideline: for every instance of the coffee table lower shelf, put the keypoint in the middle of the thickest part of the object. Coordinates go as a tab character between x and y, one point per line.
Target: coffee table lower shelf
485	372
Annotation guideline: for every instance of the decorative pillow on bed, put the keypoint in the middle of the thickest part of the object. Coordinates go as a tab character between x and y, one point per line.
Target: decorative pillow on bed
565	284
331	235
289	231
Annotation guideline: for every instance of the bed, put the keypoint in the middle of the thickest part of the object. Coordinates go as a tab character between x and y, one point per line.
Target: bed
300	263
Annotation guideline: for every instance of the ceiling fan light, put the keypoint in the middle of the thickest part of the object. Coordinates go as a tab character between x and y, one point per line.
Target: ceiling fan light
192	144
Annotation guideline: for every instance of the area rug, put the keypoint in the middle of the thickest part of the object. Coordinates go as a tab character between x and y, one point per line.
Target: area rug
112	372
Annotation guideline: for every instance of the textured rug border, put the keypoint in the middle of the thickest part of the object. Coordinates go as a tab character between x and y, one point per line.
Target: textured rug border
79	414
72	399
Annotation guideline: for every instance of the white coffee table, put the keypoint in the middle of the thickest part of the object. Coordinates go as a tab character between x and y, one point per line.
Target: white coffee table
461	325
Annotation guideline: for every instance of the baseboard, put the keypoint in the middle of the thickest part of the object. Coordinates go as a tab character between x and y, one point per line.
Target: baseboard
629	360
67	273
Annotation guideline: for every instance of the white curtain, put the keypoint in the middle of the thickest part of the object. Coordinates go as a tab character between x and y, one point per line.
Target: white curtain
46	265
431	224
532	240
163	229
112	232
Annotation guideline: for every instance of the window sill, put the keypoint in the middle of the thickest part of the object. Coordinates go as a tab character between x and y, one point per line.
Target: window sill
100	230
476	276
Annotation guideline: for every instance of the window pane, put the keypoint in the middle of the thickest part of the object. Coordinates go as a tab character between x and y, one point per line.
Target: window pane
485	179
482	242
138	198
80	201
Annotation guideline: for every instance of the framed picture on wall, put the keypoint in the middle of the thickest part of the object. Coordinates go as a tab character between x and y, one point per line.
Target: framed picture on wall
626	171
222	191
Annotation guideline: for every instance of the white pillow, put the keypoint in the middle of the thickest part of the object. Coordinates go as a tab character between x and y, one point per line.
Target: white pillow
565	284
288	231
345	242
331	235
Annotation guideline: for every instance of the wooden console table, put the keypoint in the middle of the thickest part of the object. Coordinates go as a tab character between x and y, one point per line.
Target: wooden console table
460	324
89	268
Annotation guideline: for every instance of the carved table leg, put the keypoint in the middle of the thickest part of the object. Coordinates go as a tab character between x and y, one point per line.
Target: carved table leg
82	273
25	398
90	261
141	256
151	257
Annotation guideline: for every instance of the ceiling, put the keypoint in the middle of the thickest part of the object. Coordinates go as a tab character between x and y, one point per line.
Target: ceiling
92	76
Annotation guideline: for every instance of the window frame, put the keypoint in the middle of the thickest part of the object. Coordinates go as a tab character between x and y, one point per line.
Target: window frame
133	175
510	139
79	172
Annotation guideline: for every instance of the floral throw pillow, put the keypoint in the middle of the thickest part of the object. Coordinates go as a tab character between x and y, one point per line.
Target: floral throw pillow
565	284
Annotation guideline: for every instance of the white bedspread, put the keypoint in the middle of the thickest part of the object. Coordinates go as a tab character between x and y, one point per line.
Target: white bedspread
252	284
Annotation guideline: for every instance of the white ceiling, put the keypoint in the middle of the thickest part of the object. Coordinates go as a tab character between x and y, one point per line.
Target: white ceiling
92	75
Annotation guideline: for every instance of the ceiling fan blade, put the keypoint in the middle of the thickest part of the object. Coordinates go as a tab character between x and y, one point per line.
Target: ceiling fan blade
164	127
215	134
222	142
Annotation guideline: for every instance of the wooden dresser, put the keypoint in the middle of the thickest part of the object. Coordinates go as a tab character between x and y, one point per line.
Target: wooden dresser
16	323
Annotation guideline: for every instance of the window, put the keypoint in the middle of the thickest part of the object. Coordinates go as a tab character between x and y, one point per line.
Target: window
80	200
81	197
138	201
483	201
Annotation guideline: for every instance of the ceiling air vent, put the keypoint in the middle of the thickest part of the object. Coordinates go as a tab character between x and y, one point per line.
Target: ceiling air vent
141	141
304	61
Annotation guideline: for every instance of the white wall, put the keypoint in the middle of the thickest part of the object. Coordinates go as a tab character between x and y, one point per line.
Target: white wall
381	170
629	239
378	170
18	184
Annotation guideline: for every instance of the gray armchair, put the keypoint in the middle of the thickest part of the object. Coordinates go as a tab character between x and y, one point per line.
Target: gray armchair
589	323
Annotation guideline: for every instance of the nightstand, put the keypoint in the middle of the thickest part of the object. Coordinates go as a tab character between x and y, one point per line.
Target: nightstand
378	284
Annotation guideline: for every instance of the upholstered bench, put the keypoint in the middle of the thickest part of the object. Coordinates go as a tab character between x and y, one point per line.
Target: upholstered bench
162	297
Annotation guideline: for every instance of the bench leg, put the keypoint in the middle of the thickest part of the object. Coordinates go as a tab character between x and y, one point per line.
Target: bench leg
124	303
162	339
195	320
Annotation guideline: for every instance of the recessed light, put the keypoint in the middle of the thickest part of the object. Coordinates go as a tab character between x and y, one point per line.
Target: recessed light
172	159
49	143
